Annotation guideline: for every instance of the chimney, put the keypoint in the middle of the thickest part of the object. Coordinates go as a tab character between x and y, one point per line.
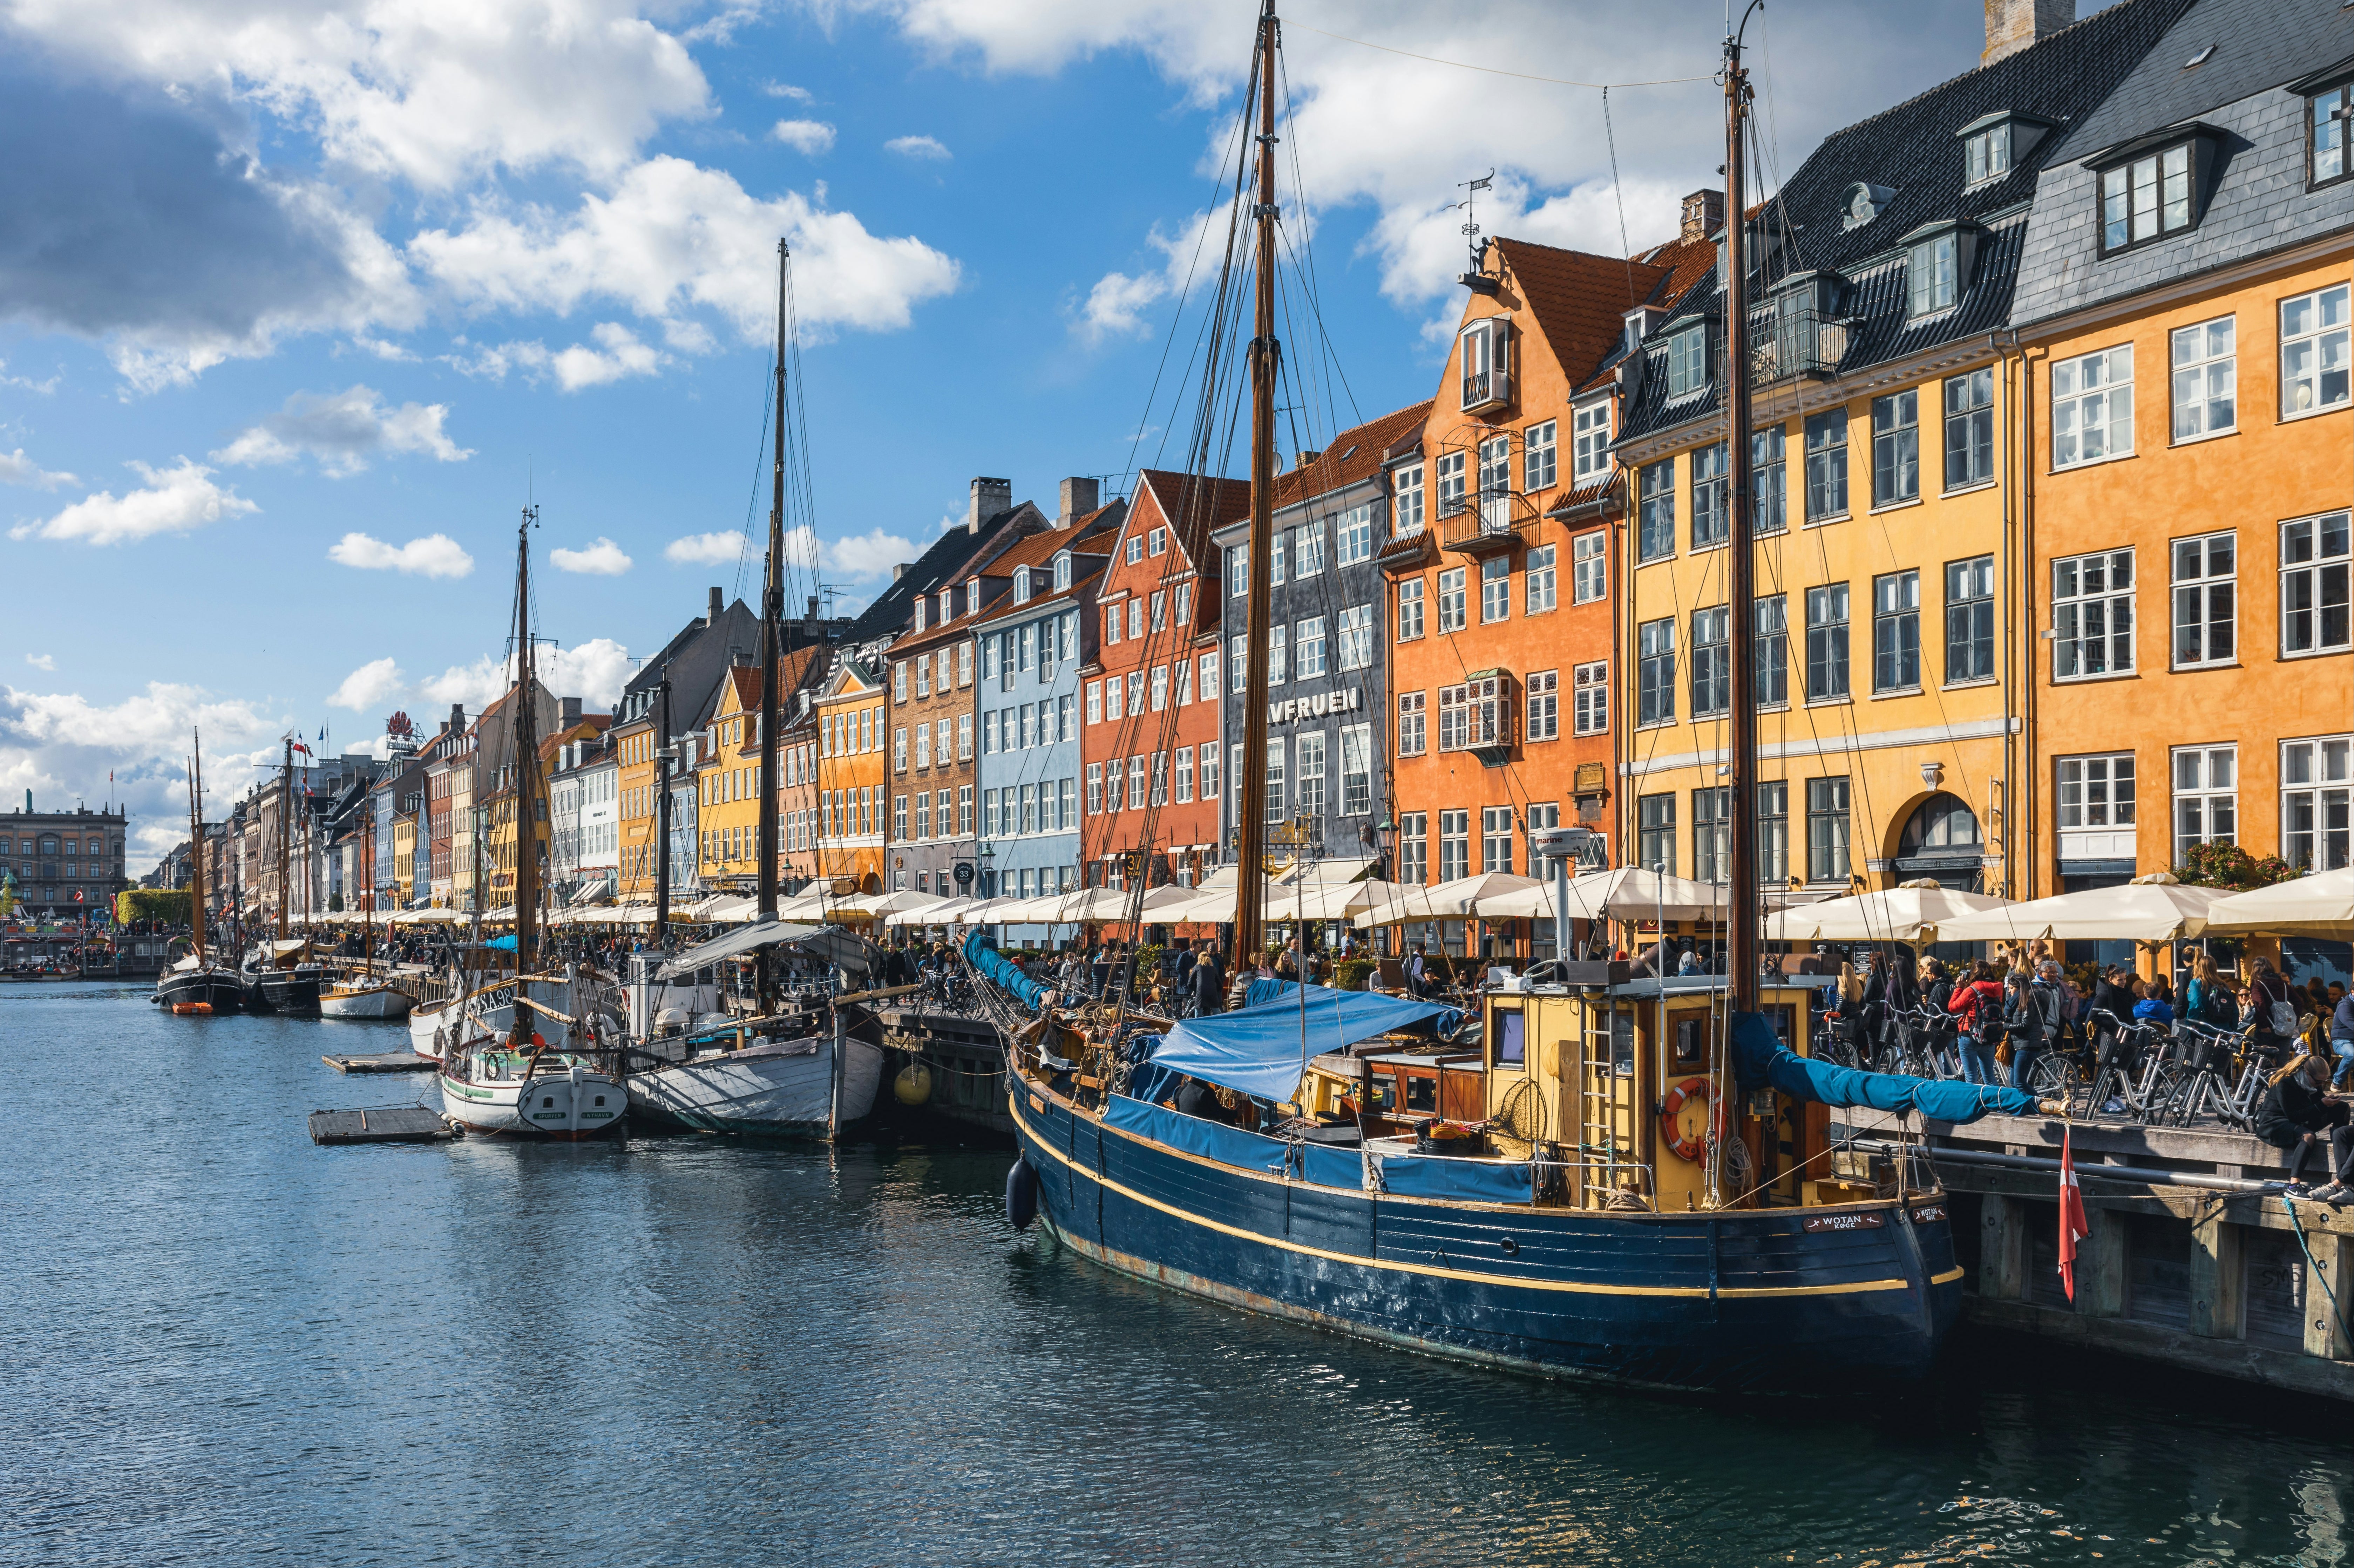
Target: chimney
718	608
1704	210
1079	498
2014	24
1308	458
568	712
898	570
990	497
812	607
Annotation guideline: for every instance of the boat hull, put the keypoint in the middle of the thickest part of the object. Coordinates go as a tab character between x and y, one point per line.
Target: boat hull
217	989
375	1001
1746	1301
567	1106
282	990
781	1090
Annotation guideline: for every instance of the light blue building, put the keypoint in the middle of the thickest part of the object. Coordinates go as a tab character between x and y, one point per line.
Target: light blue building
1026	703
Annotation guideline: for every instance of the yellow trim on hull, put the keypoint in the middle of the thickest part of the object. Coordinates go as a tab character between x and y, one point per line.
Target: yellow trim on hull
1433	1271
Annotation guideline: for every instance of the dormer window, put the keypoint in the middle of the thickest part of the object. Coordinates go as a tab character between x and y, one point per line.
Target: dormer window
1996	144
1021	585
2328	110
972	596
2150	188
1486	364
1062	570
1938	269
947	605
922	605
1688	360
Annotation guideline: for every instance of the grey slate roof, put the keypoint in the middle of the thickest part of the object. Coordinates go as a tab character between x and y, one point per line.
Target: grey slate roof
2258	203
1913	150
946	559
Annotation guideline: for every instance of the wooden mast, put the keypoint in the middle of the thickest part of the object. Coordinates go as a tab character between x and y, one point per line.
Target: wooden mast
1250	795
772	610
285	837
1740	936
196	844
526	754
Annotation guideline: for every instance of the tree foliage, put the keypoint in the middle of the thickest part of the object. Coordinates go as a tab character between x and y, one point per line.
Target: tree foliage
2229	866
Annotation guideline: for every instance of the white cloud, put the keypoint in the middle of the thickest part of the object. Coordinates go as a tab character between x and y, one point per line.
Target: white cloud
706	550
176	500
341	431
619	355
594	672
672	237
602	559
809	136
47	662
925	147
15	468
786	90
865	555
377	681
1115	306
434	556
43	387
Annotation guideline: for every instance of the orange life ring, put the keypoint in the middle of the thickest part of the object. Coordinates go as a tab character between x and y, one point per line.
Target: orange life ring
1684	1148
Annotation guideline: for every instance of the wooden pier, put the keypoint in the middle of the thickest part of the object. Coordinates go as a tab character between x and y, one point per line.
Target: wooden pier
381	1124
2188	1262
966	1060
381	1062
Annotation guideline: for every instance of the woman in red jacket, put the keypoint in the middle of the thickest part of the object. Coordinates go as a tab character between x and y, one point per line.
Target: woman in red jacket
1978	1003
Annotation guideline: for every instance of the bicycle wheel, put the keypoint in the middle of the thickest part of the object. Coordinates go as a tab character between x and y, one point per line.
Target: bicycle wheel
2157	1096
2053	1078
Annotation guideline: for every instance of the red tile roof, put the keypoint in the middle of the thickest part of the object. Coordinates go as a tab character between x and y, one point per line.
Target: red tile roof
1351	455
1580	300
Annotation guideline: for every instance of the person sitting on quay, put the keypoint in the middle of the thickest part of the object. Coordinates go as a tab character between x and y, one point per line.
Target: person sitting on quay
2298	1113
2341	1035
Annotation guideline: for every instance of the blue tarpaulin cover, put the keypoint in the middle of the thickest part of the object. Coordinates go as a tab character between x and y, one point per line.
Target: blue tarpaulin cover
1258	1049
1001	971
1407	1175
1473	1180
1760	1060
503	944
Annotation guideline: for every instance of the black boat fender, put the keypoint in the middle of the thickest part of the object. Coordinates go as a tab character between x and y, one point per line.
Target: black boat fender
1021	1195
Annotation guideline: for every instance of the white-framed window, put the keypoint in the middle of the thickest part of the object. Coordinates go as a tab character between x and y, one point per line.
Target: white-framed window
1356	639
1655	671
1452	599
2315	805
1135	549
2096	791
1409	610
964	664
2144	199
1238	656
1156	543
2093	615
1454	845
1589	568
1113	688
1712	660
1160	612
1135	691
1209	770
1495	589
1136	797
1113	615
1590	443
922	813
1496	839
2325	116
1538	579
1277	639
1539	461
1590	698
1135	618
1185	774
2205	607
1209	684
1487	362
899	751
1095	789
1160	688
1307	650
2206	797
1452	471
1413	715
1986	155
1274	759
899	680
1356	770
1185	668
1831	831
1062	570
1238	570
964	737
923	746
1406	500
1496	482
1688	361
2315	352
1544	705
2314	556
1021	585
2092	408
1354	536
1159	777
2206	387
1412	848
1934	273
1275	558
1095	702
1308	550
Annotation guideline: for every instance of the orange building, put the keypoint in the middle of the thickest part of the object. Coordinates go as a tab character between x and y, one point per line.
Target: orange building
1498	561
2185	308
854	740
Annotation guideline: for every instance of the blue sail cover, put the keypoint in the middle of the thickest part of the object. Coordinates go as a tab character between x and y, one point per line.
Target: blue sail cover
1001	971
1258	1049
1760	1060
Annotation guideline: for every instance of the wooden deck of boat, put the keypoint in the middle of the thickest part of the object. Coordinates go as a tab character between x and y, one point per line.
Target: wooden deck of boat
380	1124
382	1062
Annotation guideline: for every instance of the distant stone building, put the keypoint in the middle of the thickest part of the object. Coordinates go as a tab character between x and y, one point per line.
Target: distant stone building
64	863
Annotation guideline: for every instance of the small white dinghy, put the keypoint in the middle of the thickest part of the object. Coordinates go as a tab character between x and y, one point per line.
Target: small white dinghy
491	1088
363	999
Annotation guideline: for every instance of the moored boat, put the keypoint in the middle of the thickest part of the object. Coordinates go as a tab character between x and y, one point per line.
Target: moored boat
370	999
195	985
492	1087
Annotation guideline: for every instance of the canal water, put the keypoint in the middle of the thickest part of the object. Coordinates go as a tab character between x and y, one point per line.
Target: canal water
219	1343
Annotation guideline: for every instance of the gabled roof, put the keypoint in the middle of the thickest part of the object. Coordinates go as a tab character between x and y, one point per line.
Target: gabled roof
1579	301
2259	45
1195	506
955	555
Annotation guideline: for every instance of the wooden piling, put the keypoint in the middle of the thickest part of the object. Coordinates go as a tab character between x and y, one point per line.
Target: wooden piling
2219	1303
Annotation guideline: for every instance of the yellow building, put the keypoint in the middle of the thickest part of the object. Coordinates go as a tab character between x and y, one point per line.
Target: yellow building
404	855
728	797
635	743
851	779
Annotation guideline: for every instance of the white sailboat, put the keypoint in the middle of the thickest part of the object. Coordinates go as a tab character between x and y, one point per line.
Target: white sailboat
538	1080
364	996
775	1075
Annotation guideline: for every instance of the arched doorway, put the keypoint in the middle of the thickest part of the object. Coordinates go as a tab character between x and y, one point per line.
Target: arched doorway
1941	840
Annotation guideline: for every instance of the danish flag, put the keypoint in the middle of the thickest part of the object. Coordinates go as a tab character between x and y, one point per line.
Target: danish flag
2072	1217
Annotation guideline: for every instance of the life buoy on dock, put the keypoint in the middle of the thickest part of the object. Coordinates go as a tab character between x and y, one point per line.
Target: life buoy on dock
1021	1195
1671	1128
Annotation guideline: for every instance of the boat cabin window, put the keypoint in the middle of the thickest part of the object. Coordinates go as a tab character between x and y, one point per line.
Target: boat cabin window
1422	1095
1691	1042
1622	1045
1511	1039
1381	1093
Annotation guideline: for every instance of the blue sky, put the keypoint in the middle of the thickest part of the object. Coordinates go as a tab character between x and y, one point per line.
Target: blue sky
298	303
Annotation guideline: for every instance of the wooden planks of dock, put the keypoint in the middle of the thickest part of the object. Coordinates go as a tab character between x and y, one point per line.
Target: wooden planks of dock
382	1062
380	1124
